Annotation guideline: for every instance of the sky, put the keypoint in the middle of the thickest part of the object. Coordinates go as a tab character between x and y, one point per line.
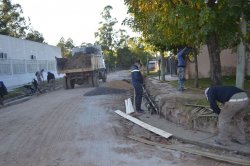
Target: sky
75	19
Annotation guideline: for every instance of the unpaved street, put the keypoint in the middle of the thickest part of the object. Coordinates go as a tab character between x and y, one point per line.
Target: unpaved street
66	128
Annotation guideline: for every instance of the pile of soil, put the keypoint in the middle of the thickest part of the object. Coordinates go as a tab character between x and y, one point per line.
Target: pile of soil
104	91
112	87
79	60
118	84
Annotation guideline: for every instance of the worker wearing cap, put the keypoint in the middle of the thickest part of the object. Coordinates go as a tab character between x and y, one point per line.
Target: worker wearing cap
137	81
235	103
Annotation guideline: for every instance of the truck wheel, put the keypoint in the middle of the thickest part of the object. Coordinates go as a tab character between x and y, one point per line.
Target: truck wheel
65	83
72	84
95	80
104	77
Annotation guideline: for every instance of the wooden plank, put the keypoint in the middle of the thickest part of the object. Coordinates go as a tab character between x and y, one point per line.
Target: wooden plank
194	105
144	125
229	159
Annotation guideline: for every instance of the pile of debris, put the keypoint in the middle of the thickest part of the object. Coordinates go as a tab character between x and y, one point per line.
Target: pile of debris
118	84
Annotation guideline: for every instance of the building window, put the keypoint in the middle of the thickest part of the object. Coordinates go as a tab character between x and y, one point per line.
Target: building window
3	55
32	57
18	66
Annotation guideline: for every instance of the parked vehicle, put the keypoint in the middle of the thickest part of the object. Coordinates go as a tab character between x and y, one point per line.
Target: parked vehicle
153	65
85	66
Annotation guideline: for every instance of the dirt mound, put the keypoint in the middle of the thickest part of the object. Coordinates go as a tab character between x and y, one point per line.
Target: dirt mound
118	84
104	91
79	60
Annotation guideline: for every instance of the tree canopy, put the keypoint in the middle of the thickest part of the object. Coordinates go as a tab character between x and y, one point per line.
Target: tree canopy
13	23
190	23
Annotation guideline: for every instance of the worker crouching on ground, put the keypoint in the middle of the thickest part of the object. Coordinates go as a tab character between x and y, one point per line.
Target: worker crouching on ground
137	81
36	86
51	81
235	103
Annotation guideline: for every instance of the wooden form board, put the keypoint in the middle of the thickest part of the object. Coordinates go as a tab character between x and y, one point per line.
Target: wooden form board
144	125
229	159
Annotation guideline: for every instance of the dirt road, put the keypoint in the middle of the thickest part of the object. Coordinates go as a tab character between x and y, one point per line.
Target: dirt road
66	128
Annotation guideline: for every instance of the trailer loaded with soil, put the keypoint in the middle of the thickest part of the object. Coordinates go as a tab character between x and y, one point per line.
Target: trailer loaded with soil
85	66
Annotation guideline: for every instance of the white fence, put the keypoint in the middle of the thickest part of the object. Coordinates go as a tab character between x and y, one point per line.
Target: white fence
16	72
17	66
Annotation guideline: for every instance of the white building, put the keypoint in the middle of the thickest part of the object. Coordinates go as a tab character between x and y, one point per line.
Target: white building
20	59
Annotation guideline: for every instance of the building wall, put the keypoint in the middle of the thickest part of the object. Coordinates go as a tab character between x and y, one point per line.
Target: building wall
228	64
24	58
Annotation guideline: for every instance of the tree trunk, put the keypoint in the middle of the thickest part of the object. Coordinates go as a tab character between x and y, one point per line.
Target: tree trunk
241	60
163	66
214	57
196	80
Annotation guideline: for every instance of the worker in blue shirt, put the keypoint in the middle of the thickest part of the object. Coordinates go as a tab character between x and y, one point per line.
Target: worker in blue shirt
137	82
181	66
235	103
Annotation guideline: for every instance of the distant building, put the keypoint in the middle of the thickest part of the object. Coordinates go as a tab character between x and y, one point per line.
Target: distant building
20	59
228	64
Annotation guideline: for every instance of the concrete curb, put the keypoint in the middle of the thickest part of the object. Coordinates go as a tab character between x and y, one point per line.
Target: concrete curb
199	138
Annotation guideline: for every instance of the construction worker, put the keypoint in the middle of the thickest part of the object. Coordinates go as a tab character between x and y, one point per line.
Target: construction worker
3	91
181	56
36	86
235	103
39	76
137	81
51	81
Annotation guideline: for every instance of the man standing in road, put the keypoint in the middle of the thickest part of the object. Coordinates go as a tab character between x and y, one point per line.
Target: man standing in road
51	81
181	56
235	103
137	81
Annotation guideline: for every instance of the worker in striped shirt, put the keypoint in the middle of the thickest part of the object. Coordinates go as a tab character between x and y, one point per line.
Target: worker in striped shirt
235	103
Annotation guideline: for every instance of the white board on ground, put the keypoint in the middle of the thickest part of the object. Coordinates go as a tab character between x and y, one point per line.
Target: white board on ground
144	125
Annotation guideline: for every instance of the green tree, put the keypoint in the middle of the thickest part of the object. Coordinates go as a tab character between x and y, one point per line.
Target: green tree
125	57
122	38
66	47
12	23
106	36
191	23
36	36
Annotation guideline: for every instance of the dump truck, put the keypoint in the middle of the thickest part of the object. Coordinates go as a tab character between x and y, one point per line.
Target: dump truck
85	66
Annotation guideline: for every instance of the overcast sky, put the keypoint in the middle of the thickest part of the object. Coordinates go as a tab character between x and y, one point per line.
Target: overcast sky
77	19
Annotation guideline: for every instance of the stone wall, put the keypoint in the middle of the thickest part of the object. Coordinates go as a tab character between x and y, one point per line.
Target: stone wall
172	106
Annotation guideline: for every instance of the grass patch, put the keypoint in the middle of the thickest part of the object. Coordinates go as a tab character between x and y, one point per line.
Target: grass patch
20	91
15	93
206	82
